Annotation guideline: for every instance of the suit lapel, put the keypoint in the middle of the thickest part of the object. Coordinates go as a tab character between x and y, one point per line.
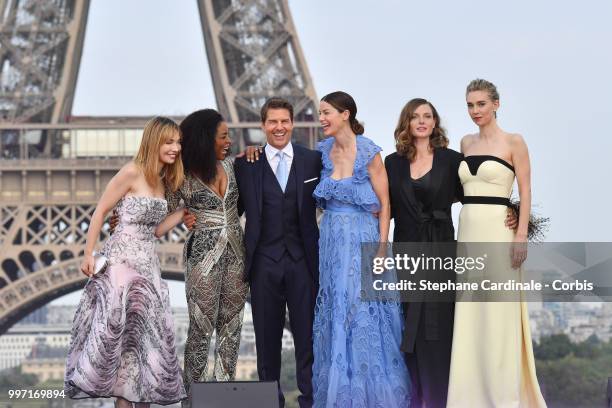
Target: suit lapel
437	170
298	162
258	179
406	189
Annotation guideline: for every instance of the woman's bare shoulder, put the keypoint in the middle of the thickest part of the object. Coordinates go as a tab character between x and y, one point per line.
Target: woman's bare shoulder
515	140
130	169
468	140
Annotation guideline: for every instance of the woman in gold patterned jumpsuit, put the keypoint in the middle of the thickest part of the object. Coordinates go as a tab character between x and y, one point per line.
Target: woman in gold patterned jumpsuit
214	252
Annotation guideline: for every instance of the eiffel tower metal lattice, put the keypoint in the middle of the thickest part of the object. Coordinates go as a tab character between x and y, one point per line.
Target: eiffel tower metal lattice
53	166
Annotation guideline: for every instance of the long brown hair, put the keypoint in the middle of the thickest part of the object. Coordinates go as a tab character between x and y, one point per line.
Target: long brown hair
404	141
155	133
342	101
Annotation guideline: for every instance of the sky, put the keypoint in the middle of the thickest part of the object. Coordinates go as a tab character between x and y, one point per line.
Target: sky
550	60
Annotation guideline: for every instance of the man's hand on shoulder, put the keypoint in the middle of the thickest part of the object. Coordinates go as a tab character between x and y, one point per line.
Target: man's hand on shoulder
251	154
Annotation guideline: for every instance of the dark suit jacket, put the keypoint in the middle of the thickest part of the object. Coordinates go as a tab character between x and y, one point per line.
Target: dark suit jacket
406	210
412	225
249	178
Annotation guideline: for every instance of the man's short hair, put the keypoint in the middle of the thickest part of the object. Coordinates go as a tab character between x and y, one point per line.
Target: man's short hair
276	103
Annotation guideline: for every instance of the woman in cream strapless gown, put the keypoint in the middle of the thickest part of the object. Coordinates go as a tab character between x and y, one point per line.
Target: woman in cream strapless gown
492	363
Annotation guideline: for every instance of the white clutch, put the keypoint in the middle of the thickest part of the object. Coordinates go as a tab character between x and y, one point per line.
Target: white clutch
100	263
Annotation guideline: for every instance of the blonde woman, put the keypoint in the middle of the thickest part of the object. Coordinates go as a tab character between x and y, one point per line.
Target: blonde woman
123	336
492	363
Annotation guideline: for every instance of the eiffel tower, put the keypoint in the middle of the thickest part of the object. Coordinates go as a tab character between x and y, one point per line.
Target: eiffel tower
53	166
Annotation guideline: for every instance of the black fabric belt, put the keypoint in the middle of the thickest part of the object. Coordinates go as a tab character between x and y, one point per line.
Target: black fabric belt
486	200
435	215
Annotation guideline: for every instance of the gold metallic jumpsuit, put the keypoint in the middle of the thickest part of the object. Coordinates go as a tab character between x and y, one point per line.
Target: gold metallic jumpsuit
214	262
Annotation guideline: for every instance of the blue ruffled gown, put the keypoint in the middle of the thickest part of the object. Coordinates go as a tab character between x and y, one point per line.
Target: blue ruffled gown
357	357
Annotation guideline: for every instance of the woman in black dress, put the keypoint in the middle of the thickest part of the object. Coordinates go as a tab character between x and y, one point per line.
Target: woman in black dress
423	184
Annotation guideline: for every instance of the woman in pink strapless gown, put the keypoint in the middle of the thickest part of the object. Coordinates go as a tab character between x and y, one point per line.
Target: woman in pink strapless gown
123	335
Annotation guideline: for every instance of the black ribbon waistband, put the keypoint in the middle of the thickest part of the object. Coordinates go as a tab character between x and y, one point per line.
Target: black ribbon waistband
435	215
486	200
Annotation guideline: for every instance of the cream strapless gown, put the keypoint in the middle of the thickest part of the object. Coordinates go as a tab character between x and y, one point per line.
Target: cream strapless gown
492	363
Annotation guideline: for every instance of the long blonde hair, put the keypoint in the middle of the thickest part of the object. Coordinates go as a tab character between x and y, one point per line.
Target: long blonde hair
155	133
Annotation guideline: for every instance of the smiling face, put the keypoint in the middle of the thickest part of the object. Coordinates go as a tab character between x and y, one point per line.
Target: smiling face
422	122
481	107
278	127
332	121
170	149
223	142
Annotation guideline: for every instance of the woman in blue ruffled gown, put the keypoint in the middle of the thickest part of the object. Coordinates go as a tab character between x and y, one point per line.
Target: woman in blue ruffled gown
357	357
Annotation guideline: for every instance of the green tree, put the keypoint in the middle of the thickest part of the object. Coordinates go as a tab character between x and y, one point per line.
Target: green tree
14	378
590	348
574	382
553	348
573	375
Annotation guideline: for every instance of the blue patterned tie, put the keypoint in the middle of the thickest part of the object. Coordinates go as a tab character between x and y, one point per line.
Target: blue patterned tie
281	171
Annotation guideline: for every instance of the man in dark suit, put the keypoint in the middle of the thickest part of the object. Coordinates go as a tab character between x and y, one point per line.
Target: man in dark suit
281	240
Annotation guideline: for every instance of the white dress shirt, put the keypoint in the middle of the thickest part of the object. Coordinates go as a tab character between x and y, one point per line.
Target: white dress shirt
273	158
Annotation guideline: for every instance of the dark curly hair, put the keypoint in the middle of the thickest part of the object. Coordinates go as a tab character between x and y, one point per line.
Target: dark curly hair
199	131
404	141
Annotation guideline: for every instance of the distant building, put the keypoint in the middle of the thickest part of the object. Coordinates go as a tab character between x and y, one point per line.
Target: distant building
61	314
596	322
47	363
287	340
246	368
578	334
578	321
39	316
248	330
181	325
55	332
542	324
17	343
